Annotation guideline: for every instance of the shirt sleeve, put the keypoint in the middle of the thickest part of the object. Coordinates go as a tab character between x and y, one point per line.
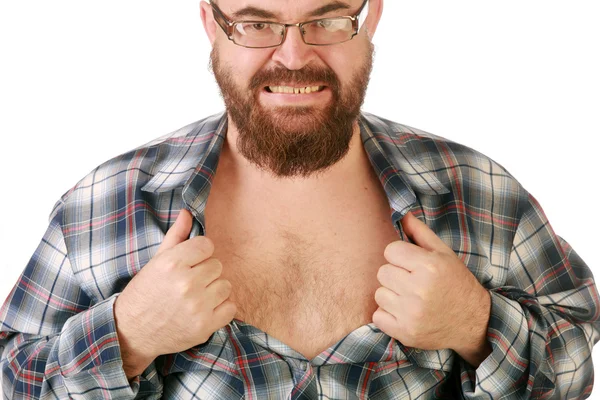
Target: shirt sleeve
543	323
55	343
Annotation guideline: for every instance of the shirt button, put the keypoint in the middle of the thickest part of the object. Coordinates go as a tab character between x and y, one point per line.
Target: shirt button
304	365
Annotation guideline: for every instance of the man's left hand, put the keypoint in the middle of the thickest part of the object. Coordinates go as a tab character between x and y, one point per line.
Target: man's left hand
429	299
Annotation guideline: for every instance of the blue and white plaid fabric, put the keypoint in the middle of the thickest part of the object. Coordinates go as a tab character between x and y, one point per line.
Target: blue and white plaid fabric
57	331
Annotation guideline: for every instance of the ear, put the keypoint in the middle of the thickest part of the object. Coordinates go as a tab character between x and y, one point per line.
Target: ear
210	26
375	11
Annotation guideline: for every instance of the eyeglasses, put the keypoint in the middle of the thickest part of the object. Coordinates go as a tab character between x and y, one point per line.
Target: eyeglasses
318	32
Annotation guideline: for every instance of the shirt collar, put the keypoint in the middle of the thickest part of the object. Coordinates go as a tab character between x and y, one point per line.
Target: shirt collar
188	159
397	165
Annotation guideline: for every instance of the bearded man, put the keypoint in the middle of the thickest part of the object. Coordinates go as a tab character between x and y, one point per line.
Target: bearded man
296	247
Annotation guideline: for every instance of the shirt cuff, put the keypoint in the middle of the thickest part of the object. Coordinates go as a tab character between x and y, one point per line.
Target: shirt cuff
516	353
89	358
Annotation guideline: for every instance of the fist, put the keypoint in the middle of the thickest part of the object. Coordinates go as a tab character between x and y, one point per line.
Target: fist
428	298
178	299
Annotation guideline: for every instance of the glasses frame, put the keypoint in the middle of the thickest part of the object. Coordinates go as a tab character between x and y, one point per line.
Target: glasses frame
228	26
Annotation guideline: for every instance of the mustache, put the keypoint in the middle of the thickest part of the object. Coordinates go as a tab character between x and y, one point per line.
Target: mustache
307	74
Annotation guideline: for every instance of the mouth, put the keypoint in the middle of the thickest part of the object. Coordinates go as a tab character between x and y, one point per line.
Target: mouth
294	89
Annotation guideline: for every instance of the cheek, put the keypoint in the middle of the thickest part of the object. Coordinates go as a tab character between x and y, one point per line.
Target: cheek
244	63
344	60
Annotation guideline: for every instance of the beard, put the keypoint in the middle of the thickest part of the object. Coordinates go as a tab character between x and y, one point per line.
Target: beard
293	141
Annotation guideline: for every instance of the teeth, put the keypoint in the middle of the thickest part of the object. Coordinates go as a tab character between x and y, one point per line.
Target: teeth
289	89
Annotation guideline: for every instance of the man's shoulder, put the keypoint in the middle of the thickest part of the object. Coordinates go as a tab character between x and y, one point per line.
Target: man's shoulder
109	215
198	129
428	161
438	154
136	168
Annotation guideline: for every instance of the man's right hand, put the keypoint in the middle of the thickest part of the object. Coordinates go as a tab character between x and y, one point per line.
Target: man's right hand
175	302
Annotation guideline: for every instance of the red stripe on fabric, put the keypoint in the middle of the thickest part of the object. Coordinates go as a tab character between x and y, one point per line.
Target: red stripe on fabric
389	171
401	140
168	364
330	355
19	340
559	327
366	380
471	212
212	361
103	385
439	388
519	381
549	275
594	292
530	383
304	378
566	263
130	199
390	350
187	140
161	216
105	393
467	376
391	366
30	377
27	378
89	332
50	299
506	349
266	357
50	371
13	352
206	172
240	363
92	351
549	350
463	228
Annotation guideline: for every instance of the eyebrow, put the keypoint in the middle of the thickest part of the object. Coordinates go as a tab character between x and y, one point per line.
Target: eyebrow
252	11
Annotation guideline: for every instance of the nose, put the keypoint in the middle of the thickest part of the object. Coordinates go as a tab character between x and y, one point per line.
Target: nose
293	53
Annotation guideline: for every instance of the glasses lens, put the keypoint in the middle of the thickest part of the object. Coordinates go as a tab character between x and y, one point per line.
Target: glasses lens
257	34
328	31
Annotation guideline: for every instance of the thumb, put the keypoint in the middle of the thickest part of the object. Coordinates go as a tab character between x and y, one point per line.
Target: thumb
421	235
179	232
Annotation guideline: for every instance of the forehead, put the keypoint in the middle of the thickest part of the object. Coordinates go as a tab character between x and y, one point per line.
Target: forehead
289	9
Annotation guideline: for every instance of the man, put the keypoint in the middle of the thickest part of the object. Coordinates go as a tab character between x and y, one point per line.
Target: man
302	287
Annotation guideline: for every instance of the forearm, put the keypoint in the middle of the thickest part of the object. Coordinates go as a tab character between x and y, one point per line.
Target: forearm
535	353
134	355
83	358
474	346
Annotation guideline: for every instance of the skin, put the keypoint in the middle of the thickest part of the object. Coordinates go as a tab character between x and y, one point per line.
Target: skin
429	299
182	276
439	316
293	54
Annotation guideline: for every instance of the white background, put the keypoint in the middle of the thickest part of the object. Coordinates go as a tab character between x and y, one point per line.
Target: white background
83	81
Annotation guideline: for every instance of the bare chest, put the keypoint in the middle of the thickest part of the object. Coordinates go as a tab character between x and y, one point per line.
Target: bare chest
307	287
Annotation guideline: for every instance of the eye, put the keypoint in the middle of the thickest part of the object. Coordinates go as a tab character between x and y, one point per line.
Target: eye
324	23
259	26
333	24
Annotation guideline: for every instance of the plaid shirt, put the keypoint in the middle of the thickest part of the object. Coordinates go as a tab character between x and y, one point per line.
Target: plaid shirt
57	333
